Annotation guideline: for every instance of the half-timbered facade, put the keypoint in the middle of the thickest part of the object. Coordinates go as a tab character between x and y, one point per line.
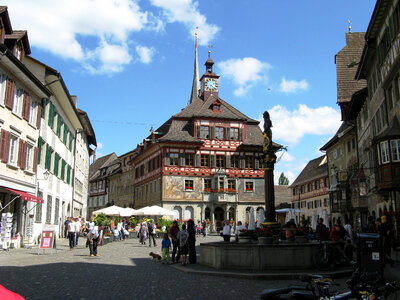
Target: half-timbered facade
204	161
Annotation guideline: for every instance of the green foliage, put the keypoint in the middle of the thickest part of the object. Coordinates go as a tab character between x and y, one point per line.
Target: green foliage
165	222
102	219
116	220
132	221
283	180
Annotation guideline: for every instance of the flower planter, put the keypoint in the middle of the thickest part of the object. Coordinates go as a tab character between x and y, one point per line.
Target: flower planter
244	239
264	240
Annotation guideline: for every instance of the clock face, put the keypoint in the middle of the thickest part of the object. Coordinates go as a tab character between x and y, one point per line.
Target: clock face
211	84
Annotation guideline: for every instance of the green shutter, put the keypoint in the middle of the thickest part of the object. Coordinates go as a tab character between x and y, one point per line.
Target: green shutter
65	134
68	174
51	115
73	176
48	156
62	169
56	160
59	122
40	142
70	141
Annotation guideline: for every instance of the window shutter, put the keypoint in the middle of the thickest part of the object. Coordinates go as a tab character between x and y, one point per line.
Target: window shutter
39	115
198	131
23	158
213	162
35	159
256	163
10	91
212	132
44	104
3	146
26	107
241	138
166	159
197	160
227	133
20	153
228	161
59	125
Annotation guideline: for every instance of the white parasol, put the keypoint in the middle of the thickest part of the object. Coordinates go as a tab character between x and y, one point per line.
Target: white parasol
127	212
109	211
260	217
154	210
314	217
252	220
325	216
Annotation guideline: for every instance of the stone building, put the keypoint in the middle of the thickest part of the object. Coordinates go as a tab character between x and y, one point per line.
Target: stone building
310	189
203	162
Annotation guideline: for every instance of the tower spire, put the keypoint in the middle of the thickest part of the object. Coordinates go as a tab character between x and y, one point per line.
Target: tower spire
196	82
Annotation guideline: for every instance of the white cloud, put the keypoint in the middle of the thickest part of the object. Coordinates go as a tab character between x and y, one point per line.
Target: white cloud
99	146
104	25
186	12
286	157
292	86
244	72
145	54
291	126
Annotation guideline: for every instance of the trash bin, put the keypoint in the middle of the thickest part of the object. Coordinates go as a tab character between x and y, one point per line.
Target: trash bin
369	253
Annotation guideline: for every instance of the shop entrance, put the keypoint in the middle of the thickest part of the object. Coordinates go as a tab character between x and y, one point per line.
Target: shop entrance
218	218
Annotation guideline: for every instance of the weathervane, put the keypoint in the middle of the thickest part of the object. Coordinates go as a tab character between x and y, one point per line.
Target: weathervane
350	22
209	51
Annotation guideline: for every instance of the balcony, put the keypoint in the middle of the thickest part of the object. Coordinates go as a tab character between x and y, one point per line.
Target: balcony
389	176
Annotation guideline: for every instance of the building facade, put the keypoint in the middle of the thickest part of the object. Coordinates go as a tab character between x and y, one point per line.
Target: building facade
310	190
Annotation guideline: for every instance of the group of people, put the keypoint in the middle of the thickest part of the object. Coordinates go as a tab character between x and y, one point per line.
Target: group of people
76	227
146	231
119	230
227	230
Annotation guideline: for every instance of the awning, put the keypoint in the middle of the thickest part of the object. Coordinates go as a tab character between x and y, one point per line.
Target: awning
24	196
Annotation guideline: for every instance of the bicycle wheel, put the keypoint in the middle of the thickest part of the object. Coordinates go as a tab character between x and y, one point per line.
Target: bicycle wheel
323	259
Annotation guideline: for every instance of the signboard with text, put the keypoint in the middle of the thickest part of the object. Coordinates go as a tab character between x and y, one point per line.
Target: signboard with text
47	241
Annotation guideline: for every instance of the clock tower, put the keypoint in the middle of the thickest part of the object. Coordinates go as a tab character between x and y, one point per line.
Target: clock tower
209	80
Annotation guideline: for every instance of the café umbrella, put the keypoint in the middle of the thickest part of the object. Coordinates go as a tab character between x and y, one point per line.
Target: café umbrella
154	210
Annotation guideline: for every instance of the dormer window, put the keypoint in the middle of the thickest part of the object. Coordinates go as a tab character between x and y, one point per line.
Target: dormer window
217	108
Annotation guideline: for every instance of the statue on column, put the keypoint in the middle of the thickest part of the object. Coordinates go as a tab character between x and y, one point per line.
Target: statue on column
269	155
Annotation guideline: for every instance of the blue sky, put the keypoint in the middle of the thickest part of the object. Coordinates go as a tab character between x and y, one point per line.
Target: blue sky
130	63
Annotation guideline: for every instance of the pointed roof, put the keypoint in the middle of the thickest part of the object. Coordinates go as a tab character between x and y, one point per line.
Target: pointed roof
101	162
196	81
316	168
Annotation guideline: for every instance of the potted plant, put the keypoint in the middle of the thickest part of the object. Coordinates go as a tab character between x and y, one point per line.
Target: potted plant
246	235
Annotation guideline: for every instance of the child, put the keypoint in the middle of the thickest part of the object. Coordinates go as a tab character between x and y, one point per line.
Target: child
165	246
183	236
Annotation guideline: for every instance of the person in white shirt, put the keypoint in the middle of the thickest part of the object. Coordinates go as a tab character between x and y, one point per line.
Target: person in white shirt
96	236
226	232
239	227
71	233
77	230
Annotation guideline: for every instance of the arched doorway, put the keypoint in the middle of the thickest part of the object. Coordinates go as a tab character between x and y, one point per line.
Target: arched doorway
207	213
188	213
178	212
231	214
218	217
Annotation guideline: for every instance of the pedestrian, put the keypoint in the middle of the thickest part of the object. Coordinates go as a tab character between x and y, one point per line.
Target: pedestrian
198	228
173	234
96	236
90	226
152	232
77	231
112	224
238	229
137	229
120	230
204	228
191	228
71	233
349	238
66	223
321	231
143	232
226	232
165	247
183	237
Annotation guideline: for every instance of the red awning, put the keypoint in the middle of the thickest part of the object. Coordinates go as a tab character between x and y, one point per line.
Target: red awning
24	196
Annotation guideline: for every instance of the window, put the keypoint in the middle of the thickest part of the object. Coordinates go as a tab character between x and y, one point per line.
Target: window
317	185
219	133
29	157
353	143
13	156
326	183
189	160
348	146
221	184
217	107
310	205
204	132
234	134
205	160
220	161
3	80
249	162
38	212
303	189
303	204
189	185
33	112
18	99
249	186
235	159
56	211
384	152
232	185
174	158
309	187
395	145
48	209
207	184
326	202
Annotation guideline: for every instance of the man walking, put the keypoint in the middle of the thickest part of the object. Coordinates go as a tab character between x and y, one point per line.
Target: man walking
71	233
152	233
173	233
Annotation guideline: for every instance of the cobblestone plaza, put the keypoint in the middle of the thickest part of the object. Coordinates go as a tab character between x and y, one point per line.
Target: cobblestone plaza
123	270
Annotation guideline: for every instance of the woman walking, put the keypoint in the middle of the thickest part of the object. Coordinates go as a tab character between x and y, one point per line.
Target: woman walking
143	232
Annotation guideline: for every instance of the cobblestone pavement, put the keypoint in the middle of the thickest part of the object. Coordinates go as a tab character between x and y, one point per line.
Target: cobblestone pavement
123	270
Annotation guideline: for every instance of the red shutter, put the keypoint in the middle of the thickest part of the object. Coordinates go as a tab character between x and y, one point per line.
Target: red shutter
23	158
39	115
35	160
5	145
20	153
26	107
9	95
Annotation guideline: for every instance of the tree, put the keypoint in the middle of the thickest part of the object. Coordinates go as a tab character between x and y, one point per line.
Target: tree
283	180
